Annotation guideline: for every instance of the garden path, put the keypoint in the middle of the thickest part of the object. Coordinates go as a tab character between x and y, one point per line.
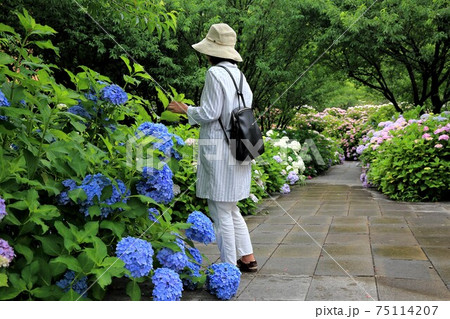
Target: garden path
335	240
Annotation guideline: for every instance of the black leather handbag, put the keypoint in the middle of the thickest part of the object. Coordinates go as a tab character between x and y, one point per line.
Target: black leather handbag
245	139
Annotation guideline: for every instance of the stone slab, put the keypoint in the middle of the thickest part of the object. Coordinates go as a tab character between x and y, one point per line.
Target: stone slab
412	269
350	228
398	289
398	252
342	288
347	239
289	266
384	220
347	265
272	288
297	251
393	239
259	237
298	236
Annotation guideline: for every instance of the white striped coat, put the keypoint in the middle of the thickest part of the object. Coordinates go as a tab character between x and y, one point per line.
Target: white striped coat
220	176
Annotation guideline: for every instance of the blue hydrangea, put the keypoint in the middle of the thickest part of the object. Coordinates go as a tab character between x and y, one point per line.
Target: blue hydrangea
114	94
153	215
156	184
222	280
63	198
167	285
79	286
193	269
164	142
2	208
3	100
91	96
3	118
193	281
80	111
93	186
179	140
175	260
137	254
202	228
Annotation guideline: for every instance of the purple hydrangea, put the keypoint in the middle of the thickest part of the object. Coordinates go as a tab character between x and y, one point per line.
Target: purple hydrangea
156	184
68	281
137	254
285	189
114	94
292	178
277	159
167	285
6	253
202	228
2	208
223	280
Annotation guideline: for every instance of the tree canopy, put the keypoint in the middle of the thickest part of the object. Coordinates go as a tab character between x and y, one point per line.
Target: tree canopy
313	52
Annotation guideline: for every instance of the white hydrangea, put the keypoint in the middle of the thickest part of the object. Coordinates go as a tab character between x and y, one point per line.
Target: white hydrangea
295	146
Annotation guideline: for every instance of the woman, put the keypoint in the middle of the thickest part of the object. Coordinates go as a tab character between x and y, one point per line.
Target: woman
222	180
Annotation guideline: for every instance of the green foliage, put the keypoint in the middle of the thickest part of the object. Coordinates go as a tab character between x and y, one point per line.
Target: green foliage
411	164
395	47
42	145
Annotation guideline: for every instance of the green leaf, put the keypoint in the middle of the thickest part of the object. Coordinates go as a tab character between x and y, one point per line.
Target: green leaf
162	97
32	162
77	195
133	290
47	45
99	252
3	280
116	227
25	251
5	59
70	261
171	117
127	63
47	292
6	28
51	244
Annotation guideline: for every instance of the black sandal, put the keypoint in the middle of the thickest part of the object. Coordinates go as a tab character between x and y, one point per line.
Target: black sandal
247	267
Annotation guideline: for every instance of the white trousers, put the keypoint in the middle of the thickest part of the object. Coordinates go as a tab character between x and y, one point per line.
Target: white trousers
231	231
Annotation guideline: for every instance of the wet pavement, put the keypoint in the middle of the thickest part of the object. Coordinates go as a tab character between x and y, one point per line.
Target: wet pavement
332	239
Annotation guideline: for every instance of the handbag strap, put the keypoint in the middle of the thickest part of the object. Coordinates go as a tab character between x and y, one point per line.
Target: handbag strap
238	89
240	95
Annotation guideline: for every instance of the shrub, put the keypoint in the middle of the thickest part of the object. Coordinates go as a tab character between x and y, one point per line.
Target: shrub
409	160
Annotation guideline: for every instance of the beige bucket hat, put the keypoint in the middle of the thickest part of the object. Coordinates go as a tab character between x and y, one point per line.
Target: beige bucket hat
219	42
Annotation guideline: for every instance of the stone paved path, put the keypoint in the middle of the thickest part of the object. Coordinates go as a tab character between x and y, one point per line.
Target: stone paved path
334	240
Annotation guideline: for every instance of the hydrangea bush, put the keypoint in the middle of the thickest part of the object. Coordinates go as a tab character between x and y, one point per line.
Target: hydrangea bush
407	158
76	191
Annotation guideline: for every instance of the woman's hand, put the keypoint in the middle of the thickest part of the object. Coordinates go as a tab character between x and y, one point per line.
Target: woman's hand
177	107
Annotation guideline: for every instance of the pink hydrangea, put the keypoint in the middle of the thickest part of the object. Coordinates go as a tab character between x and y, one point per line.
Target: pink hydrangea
443	137
438	146
427	136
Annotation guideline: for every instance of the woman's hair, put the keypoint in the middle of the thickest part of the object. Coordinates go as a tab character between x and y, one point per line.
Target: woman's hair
215	60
